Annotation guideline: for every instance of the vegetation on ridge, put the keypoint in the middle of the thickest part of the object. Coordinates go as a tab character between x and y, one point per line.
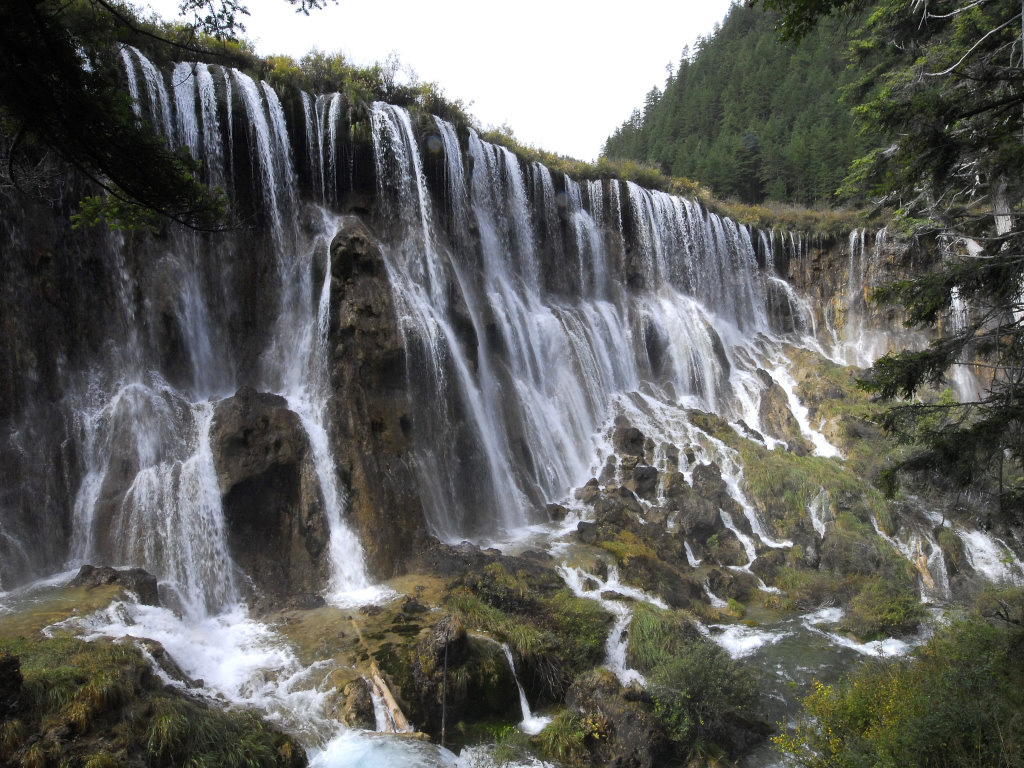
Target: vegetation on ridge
749	117
956	702
99	704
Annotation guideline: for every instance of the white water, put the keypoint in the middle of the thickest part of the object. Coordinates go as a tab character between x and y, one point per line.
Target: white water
531	724
618	639
990	557
532	360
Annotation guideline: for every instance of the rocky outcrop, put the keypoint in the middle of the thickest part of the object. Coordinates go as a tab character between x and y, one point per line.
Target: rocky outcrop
273	507
136	580
356	706
624	731
370	410
777	419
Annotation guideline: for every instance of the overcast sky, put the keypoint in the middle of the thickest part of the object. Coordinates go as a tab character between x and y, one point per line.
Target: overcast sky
562	74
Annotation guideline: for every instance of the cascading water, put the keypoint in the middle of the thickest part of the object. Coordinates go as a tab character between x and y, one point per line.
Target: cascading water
531	723
534	310
149	492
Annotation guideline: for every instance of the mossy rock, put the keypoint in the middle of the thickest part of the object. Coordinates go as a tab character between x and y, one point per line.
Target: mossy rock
884	608
99	703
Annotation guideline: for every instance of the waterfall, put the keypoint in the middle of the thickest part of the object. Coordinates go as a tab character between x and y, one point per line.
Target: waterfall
531	723
148	493
533	309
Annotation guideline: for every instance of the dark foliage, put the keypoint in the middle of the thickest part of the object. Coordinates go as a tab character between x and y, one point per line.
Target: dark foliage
750	117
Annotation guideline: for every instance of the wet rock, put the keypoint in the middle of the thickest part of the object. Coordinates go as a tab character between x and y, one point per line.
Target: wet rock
608	471
767	564
643	481
739	585
657	516
776	418
627	464
675	486
136	580
725	549
273	507
653	575
628	441
167	663
413	606
610	594
708	483
10	684
457	677
356	710
586	532
450	560
306	601
589	493
699	520
373	428
624	731
671	455
619	508
556	512
749	432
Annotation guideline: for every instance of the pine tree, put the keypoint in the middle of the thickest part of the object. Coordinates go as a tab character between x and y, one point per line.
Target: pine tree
946	90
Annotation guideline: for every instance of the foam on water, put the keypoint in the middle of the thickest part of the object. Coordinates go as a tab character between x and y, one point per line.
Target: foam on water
241	661
361	750
739	640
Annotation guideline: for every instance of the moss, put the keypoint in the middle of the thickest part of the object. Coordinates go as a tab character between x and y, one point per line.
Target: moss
783	485
884	608
110	709
951	547
564	739
627	546
700	694
716	426
736	609
553	634
786	217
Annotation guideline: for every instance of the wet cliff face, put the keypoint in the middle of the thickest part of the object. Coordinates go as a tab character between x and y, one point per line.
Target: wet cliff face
412	333
370	405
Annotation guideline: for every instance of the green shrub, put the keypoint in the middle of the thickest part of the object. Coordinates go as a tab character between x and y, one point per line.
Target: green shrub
698	689
884	608
553	633
564	739
958	702
106	690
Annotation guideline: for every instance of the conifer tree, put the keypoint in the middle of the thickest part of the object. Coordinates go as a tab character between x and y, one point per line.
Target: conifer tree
946	90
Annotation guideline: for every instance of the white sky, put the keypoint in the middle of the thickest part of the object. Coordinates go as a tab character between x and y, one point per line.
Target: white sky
563	74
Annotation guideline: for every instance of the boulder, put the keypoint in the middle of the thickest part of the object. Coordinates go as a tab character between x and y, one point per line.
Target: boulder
356	706
556	512
628	441
643	481
136	580
374	429
623	730
274	509
587	531
589	493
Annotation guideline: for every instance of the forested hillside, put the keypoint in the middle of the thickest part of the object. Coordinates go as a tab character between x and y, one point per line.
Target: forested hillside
749	116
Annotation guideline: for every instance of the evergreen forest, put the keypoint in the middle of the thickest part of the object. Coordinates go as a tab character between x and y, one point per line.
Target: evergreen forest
751	117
